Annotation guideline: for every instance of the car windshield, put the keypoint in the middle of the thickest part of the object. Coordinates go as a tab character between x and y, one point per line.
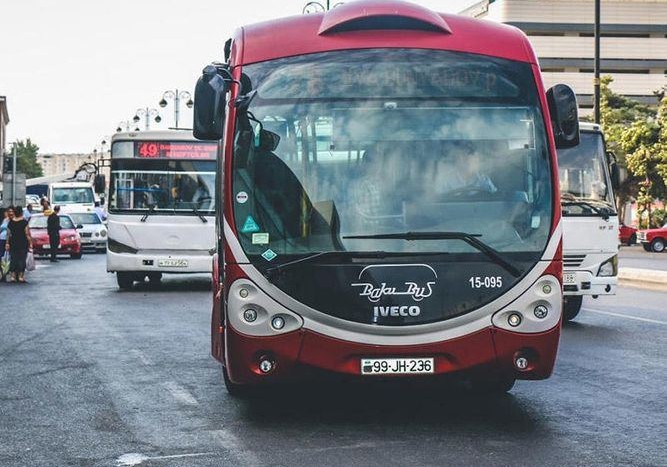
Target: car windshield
86	218
71	195
39	222
177	186
368	142
584	176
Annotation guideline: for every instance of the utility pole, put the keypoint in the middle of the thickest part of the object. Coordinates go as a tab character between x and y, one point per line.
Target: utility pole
14	175
596	79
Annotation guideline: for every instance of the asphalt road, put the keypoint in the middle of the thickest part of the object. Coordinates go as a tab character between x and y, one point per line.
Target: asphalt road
635	257
90	376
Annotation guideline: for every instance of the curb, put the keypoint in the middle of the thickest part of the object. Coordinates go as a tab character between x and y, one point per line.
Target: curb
645	278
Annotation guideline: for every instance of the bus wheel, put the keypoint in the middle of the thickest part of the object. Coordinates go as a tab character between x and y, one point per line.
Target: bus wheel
125	280
658	245
154	278
571	306
234	389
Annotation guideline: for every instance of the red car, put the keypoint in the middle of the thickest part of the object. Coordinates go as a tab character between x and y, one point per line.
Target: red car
653	239
627	234
70	242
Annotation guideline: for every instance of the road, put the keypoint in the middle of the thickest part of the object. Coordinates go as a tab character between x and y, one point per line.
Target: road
90	376
635	257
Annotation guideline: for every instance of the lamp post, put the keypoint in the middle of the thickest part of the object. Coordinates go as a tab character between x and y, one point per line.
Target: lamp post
318	7
596	79
125	125
147	113
176	96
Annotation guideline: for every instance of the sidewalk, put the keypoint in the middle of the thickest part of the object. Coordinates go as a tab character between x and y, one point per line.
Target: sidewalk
644	278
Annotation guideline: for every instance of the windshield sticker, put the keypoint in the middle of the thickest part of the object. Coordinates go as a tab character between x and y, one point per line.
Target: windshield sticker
535	222
260	238
241	197
250	226
269	254
377	281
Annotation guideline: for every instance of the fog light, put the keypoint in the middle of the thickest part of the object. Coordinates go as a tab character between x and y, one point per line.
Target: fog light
265	365
250	315
243	293
540	311
514	319
521	363
546	288
278	322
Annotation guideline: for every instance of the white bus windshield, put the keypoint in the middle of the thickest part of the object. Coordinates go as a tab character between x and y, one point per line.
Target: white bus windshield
73	195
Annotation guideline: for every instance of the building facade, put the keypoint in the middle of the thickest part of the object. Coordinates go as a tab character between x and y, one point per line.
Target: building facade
633	44
62	164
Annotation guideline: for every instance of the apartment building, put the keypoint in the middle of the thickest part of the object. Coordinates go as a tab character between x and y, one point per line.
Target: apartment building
633	44
62	164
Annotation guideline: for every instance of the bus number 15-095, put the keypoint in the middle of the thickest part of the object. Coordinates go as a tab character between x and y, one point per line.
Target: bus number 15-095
486	282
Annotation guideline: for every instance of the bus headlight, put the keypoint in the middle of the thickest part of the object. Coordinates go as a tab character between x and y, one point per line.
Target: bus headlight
609	268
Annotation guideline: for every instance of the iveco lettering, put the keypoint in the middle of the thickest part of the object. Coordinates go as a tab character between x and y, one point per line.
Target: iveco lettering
390	202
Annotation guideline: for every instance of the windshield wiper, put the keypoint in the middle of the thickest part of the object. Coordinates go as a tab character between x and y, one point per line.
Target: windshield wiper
603	212
470	239
199	214
343	253
151	208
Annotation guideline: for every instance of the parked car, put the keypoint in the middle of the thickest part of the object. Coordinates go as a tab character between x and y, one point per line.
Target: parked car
627	234
91	229
653	239
70	242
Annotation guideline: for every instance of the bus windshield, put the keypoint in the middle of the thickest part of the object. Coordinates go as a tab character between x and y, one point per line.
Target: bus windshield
163	177
363	143
73	195
584	178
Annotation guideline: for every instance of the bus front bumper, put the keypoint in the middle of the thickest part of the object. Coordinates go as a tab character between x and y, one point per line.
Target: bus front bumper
488	351
583	282
165	262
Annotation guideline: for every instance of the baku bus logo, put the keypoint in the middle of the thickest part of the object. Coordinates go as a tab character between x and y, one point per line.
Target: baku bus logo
380	280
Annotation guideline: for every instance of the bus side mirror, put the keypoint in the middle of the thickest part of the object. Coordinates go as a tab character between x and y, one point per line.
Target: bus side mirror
210	102
564	115
617	173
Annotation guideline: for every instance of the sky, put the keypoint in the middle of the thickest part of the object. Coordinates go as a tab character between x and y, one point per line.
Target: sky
73	70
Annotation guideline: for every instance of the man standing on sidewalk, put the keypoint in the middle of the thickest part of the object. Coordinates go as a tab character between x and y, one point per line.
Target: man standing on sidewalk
53	228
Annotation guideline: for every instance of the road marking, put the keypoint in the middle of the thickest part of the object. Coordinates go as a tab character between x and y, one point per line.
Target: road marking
134	458
620	315
234	445
180	393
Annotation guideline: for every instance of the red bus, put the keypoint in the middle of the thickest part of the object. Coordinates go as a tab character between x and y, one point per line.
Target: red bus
390	201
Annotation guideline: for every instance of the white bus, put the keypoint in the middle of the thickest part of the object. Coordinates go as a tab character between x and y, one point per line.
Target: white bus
72	196
161	205
590	221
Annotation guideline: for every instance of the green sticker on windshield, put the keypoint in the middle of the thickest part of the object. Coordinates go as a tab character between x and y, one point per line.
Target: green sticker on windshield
250	226
260	238
269	254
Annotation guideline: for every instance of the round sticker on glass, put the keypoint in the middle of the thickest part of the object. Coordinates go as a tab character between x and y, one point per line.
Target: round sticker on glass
241	197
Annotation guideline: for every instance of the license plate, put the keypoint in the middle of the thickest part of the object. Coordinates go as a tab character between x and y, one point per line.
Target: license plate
397	366
172	263
569	278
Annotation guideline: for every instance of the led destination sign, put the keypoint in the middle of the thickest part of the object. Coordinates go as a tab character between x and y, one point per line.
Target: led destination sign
175	150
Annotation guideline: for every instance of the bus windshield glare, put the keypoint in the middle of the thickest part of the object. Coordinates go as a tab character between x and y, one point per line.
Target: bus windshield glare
80	195
388	141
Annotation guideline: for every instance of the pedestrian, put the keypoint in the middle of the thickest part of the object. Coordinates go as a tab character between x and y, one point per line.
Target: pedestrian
99	210
53	229
27	212
6	216
19	242
46	207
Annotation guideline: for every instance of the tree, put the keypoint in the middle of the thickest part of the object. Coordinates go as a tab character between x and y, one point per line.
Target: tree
26	159
637	134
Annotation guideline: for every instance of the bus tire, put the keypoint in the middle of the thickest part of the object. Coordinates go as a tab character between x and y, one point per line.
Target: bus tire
154	278
571	306
234	389
125	280
658	245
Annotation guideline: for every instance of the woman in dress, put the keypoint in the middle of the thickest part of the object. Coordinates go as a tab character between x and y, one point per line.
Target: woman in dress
19	242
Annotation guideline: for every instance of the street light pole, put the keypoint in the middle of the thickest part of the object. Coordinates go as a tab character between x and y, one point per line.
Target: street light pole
596	79
14	175
147	113
176	96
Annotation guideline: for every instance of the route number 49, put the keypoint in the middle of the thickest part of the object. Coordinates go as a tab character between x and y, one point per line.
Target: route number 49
486	282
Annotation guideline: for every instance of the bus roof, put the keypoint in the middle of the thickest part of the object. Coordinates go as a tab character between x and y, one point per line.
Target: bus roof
72	184
378	24
166	135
